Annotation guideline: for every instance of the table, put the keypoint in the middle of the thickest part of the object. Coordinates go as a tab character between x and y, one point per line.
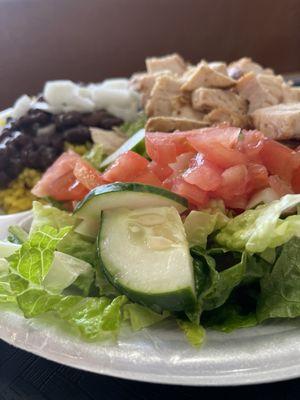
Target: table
24	376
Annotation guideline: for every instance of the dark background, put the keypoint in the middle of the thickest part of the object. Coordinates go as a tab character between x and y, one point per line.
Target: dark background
88	40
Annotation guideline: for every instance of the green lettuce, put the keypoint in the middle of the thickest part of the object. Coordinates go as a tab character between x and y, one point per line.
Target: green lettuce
142	317
194	333
35	257
91	316
280	288
214	285
95	155
200	224
131	127
262	228
73	243
47	215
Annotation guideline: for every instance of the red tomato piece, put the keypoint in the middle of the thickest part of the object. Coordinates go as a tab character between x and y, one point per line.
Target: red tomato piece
279	159
225	135
126	167
161	171
280	186
234	182
66	187
257	177
87	175
165	147
223	157
203	174
296	181
192	193
182	162
59	181
251	143
149	178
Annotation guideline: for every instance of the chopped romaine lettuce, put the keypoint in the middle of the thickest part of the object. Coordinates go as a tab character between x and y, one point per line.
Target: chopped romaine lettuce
262	228
130	128
280	288
142	317
194	333
95	155
200	224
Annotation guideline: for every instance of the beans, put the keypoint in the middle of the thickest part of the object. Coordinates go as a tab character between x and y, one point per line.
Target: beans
101	119
67	120
36	139
81	134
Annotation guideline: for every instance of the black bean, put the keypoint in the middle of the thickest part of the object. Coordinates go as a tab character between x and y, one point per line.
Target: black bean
57	141
80	134
67	120
19	139
47	156
101	119
14	167
34	116
3	157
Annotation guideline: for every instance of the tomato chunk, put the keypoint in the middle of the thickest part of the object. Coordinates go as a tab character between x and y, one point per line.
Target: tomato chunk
192	193
258	177
87	175
279	185
223	157
126	167
59	181
234	182
203	174
279	159
161	171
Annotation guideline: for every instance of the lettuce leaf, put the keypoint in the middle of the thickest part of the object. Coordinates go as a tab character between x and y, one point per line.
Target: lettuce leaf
280	288
213	286
200	224
95	155
47	215
194	333
131	127
91	316
262	228
35	257
228	318
142	317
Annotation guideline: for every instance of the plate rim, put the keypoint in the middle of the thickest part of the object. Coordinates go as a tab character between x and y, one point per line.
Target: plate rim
239	378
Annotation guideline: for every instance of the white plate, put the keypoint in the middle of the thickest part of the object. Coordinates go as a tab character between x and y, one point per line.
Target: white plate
267	353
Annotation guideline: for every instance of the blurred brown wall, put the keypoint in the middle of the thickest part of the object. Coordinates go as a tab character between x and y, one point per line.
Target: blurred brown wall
88	40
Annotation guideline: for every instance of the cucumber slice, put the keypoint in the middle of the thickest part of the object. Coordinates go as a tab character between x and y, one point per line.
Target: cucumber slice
135	143
127	195
145	255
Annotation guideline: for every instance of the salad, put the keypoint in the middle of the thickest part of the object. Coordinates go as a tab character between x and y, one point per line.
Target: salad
203	228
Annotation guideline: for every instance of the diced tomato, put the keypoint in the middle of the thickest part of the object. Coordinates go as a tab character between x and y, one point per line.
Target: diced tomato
59	181
280	186
296	181
161	171
251	143
182	162
87	175
279	159
66	187
203	174
234	182
126	167
165	147
147	177
192	193
217	153
257	177
225	135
